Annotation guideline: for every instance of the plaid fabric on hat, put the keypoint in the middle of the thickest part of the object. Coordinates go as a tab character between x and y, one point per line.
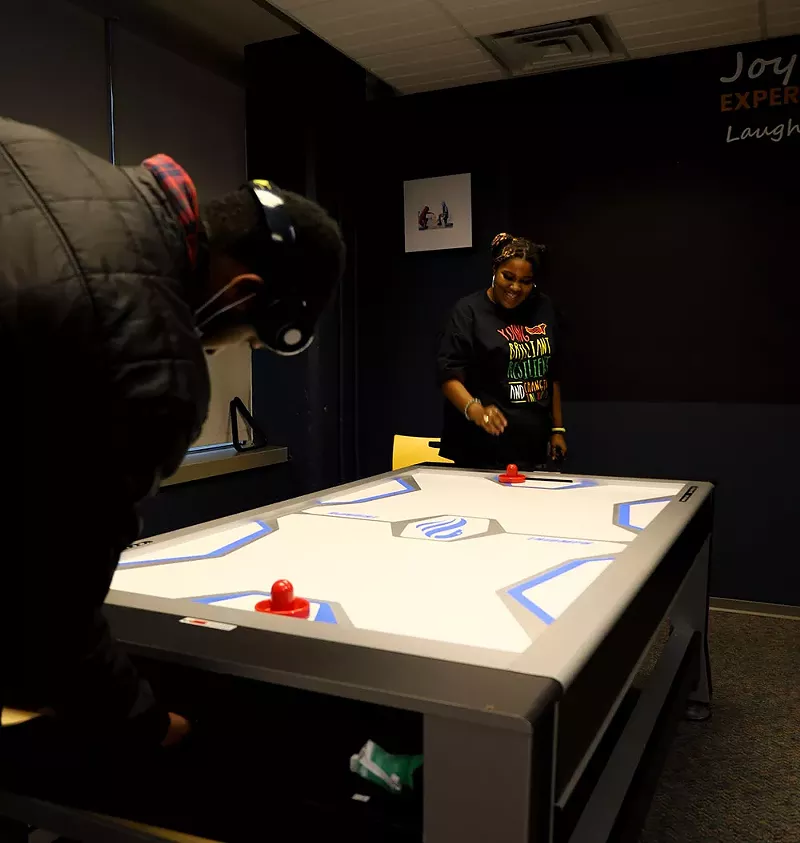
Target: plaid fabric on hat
180	189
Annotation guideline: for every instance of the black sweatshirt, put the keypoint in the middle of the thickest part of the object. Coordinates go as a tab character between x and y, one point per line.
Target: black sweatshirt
104	370
506	357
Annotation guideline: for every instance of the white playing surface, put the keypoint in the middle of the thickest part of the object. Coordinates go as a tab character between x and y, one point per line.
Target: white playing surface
438	555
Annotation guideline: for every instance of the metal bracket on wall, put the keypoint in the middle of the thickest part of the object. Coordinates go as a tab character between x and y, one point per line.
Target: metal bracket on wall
259	438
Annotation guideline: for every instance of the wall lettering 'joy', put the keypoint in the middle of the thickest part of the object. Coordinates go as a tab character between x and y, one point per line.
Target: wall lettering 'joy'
776	70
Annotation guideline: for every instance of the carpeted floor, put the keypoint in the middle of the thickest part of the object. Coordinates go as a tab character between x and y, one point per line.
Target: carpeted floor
736	778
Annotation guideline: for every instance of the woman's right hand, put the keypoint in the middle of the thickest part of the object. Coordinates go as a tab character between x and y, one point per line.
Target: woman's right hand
489	418
179	728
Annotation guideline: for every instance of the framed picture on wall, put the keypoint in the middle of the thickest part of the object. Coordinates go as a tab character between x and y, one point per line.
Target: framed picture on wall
438	213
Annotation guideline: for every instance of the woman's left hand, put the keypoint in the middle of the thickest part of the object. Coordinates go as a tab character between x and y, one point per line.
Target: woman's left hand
558	446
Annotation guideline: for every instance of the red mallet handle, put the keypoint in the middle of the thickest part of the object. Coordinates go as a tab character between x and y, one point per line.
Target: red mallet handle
282	596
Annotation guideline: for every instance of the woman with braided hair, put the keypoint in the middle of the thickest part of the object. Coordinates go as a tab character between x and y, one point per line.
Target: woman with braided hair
498	367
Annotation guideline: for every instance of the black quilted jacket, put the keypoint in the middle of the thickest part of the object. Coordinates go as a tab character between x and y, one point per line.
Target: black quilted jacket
108	384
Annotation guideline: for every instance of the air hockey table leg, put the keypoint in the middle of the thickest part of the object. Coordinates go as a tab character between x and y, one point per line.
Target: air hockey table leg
488	783
690	614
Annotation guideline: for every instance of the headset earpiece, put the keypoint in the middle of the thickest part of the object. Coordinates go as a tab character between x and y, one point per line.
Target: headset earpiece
284	324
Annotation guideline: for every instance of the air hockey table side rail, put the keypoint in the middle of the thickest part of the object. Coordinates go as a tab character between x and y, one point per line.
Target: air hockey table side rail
600	698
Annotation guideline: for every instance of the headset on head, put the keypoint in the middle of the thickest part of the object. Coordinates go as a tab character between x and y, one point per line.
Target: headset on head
282	318
273	208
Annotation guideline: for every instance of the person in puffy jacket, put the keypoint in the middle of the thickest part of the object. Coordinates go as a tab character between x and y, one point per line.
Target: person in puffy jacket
113	287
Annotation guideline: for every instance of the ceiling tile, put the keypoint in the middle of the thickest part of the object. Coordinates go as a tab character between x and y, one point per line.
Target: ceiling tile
426	18
291	5
357	49
462	8
503	16
659	46
656	7
680	8
784	15
452	52
424	44
441	84
352	14
718	21
691	33
775	30
431	74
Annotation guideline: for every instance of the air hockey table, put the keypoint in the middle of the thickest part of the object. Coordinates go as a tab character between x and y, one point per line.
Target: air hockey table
512	619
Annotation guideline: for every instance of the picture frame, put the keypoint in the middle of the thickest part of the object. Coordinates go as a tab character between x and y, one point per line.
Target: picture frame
438	213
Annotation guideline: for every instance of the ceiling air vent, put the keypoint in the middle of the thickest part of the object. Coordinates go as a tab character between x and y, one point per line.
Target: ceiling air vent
555	46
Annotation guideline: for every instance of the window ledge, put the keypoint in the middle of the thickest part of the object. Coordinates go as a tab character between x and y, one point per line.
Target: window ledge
213	462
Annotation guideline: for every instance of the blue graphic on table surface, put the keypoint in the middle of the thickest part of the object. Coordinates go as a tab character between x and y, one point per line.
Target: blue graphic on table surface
447	528
389	489
320	611
636	515
538	596
259	530
443	528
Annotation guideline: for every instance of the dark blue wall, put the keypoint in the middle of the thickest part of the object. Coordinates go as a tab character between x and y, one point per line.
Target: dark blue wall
750	451
673	254
305	103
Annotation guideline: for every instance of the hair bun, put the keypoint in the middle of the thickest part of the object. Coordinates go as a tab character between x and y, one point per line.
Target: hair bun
501	240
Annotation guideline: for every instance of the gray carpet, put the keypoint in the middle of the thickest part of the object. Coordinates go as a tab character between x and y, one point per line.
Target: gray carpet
736	778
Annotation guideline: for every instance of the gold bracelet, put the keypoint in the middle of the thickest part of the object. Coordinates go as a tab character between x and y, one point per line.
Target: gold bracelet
559	430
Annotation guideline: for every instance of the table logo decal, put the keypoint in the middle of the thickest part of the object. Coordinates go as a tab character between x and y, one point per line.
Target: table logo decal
450	528
442	528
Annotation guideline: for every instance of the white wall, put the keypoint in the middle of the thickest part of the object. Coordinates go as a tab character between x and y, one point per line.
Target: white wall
53	74
165	104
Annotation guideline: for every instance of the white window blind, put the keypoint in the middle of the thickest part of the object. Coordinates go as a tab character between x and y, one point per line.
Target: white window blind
230	372
166	104
53	73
